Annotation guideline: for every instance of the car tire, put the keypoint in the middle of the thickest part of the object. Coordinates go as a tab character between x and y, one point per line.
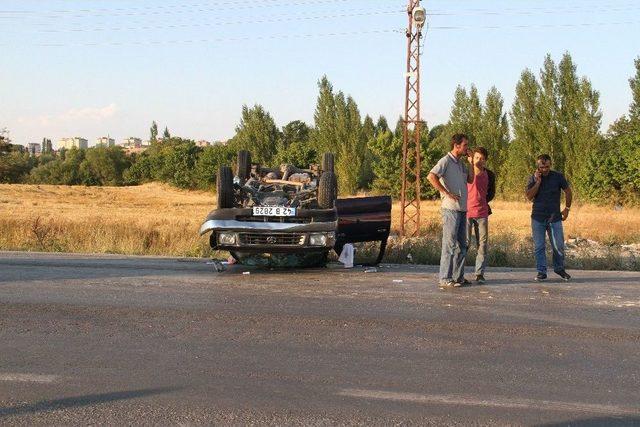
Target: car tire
244	165
224	187
327	190
328	160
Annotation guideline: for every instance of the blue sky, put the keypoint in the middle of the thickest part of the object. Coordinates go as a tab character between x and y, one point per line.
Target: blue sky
98	67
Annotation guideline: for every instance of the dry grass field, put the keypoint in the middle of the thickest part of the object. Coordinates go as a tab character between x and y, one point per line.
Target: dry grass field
156	219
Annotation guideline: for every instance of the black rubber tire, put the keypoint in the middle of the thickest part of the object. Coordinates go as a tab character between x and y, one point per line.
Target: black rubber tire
327	190
244	165
224	187
328	160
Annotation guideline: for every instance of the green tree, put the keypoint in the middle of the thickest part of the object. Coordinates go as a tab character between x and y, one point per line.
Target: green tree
325	118
299	154
369	132
257	132
295	147
153	133
295	131
613	170
494	130
140	171
386	149
547	127
181	161
208	163
381	125
634	108
524	148
104	166
347	164
15	166
579	120
166	134
465	117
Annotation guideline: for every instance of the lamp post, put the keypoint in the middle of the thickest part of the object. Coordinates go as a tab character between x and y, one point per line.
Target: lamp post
411	150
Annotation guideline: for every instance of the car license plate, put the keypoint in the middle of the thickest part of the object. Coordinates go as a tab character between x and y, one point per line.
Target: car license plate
273	211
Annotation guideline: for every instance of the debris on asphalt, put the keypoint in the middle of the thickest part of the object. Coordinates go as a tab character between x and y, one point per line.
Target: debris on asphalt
371	270
397	280
347	255
246	273
219	266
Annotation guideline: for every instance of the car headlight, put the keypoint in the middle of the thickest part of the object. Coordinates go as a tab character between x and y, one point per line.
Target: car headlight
226	238
321	239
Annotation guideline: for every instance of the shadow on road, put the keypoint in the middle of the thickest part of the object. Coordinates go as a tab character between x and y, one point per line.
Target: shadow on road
70	268
560	283
79	401
593	422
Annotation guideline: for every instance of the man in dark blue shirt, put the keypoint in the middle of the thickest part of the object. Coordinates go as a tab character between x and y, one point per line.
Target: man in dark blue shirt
544	190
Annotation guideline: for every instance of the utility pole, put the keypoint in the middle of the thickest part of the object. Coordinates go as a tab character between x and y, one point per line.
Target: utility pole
411	155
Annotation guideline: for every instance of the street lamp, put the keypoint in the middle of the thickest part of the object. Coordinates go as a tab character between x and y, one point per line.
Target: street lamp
419	16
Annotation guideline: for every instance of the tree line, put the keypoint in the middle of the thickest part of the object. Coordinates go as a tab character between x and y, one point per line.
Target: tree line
555	111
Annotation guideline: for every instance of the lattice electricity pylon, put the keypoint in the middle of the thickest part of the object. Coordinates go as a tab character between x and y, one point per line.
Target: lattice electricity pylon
411	153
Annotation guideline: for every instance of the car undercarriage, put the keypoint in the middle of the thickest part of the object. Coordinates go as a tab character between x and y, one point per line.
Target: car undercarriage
290	217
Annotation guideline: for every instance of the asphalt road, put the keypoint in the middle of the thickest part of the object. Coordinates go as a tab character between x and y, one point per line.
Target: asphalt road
118	340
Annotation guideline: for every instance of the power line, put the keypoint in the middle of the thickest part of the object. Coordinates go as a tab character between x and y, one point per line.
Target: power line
532	11
199	7
329	34
220	39
527	26
159	10
274	19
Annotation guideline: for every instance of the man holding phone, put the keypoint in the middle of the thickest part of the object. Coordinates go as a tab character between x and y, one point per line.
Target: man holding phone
544	190
450	177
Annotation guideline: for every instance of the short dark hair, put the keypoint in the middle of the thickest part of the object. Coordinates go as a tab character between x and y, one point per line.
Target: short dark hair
482	151
458	139
544	157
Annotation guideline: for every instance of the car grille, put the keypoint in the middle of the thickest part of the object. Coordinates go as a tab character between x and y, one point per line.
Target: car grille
282	219
289	239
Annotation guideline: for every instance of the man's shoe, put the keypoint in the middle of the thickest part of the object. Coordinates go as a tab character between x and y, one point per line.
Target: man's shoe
480	278
463	282
447	284
540	277
565	276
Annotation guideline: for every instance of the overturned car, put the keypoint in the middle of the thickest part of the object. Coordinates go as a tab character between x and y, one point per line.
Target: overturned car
290	217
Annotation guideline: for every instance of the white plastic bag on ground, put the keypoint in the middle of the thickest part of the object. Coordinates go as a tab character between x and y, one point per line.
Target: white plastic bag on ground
346	256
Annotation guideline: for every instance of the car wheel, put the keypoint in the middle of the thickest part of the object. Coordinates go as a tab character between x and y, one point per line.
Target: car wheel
224	187
328	160
244	165
327	190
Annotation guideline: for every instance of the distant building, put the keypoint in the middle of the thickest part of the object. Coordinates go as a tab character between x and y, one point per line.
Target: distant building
34	148
77	142
203	143
47	147
105	141
132	142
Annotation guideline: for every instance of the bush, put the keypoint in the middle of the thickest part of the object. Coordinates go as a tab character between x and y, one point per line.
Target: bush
15	167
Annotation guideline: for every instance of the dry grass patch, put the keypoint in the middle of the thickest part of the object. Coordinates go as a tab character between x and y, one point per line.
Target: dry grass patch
152	219
156	219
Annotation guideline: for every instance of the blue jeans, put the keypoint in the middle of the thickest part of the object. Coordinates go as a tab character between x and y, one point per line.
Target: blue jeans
454	245
556	238
479	226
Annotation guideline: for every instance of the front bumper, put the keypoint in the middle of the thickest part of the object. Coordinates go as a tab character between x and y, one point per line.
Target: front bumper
262	235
